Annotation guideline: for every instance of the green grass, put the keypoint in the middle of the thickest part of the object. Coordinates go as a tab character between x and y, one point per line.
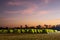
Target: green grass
29	36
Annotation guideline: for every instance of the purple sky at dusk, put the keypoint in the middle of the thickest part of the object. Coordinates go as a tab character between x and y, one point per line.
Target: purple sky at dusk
30	12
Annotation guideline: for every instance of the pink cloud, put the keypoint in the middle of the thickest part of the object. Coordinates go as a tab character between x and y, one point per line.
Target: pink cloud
16	3
12	12
13	3
42	12
31	8
46	1
27	11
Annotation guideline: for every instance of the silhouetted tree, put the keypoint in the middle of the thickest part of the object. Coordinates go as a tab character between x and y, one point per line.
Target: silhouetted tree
6	27
21	26
39	26
57	27
1	27
53	26
46	26
50	26
32	27
26	26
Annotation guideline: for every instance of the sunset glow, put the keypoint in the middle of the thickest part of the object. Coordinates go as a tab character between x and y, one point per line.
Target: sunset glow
30	12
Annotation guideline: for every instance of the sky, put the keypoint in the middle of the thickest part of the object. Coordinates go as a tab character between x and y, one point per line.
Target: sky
30	12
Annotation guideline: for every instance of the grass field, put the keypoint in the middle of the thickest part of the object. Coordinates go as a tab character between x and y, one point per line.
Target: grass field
29	36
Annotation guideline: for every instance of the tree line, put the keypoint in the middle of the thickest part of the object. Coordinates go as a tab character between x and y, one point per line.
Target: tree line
55	27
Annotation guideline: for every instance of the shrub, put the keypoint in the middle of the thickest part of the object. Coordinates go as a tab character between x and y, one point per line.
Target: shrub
11	30
44	31
49	30
35	30
5	31
27	30
39	31
23	31
32	31
1	30
55	30
18	30
15	30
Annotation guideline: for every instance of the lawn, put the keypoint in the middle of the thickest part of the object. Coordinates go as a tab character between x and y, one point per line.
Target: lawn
30	36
